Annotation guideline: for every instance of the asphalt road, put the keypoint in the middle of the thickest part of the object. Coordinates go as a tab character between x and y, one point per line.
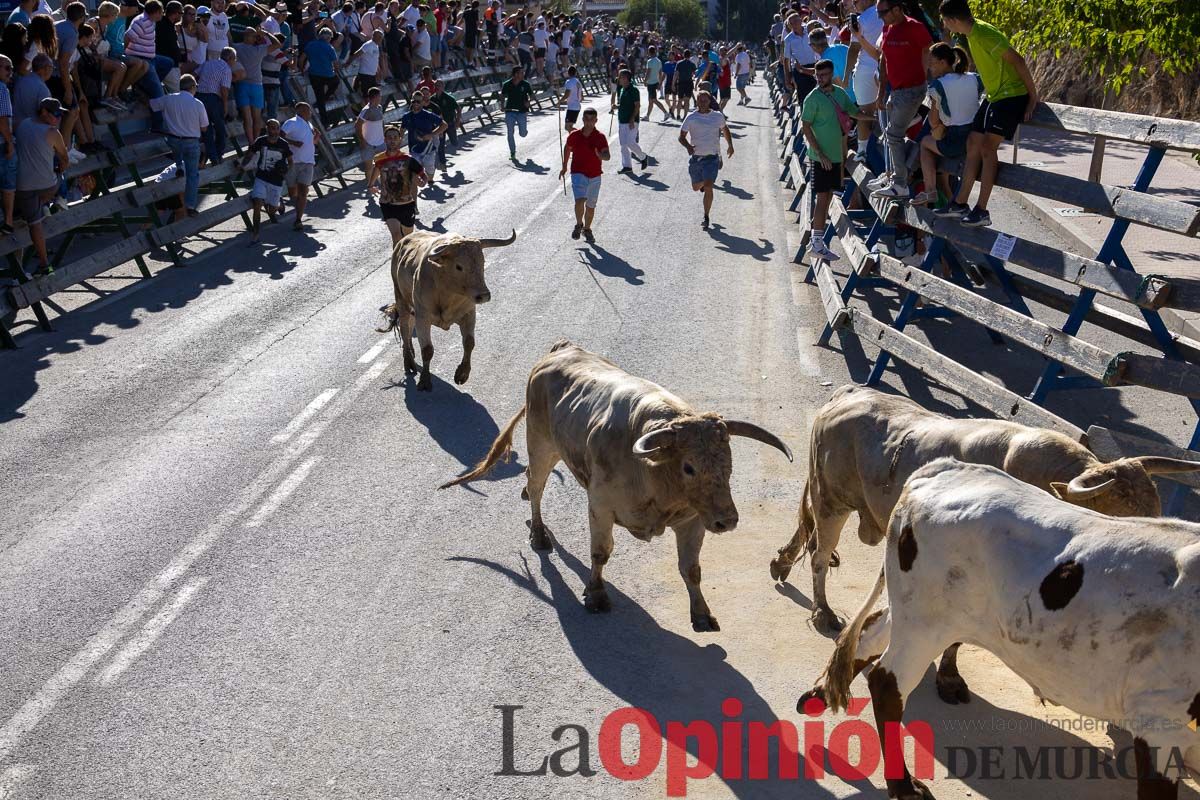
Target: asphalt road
226	572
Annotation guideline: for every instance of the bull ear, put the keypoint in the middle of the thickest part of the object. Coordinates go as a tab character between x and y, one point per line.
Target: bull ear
649	444
1058	489
1159	465
486	243
752	431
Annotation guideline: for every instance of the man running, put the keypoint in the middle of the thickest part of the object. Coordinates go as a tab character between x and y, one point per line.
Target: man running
741	63
516	94
705	125
585	149
685	73
654	71
628	108
573	96
423	127
274	158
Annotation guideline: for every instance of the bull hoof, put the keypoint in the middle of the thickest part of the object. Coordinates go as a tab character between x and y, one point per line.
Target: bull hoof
539	538
462	373
410	365
815	693
780	569
525	493
826	621
920	792
835	560
953	689
596	601
705	623
425	383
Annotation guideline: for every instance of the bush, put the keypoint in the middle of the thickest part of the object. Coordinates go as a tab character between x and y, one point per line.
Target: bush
685	18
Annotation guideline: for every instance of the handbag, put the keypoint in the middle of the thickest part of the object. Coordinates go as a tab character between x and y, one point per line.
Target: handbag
843	118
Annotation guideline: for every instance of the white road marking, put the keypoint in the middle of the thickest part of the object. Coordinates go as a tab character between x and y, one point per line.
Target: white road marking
150	632
537	212
282	492
56	687
376	349
13	777
805	339
301	419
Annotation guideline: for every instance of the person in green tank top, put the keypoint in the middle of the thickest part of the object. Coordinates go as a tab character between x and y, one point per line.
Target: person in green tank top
1011	100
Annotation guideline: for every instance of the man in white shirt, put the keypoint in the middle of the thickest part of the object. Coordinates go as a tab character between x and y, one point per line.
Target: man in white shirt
573	97
370	65
741	69
218	30
300	136
185	119
369	126
705	125
411	13
422	53
798	59
541	37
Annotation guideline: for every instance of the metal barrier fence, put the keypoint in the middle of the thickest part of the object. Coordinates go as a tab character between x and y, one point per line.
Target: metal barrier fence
124	198
973	256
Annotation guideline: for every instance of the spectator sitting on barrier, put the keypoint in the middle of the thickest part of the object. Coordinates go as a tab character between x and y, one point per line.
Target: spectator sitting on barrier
323	69
185	119
169	56
1011	100
301	137
41	155
368	127
29	90
213	81
8	150
370	65
193	35
140	44
248	90
120	76
64	37
274	158
954	99
23	13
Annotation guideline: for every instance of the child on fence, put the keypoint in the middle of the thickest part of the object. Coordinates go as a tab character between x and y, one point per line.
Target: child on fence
954	98
274	160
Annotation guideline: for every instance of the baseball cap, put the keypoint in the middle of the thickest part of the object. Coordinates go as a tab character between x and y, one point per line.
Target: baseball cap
52	105
281	8
326	32
203	11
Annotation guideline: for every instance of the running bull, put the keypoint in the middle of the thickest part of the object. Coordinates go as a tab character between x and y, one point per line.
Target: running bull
438	280
1096	613
647	459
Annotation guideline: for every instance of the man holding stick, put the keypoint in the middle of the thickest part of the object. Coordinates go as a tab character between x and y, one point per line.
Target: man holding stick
585	149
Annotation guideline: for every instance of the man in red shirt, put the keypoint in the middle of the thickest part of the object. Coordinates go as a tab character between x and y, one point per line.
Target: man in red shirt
585	149
904	65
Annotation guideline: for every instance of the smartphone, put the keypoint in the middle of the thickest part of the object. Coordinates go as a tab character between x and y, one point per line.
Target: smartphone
854	22
323	15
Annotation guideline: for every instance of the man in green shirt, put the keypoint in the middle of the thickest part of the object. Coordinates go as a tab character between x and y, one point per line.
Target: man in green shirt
628	108
826	147
515	94
1011	100
448	108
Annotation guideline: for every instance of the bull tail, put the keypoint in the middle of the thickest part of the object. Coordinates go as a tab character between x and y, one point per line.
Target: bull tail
391	318
840	671
392	311
500	449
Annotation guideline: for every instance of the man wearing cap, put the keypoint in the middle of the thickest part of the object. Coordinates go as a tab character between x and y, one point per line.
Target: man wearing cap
39	144
185	119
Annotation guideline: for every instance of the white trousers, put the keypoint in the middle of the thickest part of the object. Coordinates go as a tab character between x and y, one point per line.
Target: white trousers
629	144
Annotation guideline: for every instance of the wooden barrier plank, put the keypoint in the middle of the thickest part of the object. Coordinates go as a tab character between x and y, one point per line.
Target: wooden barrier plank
836	313
852	244
1110	445
1154	131
1118	202
978	389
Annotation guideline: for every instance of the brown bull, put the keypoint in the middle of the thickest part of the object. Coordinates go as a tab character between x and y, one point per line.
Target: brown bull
438	280
865	444
647	459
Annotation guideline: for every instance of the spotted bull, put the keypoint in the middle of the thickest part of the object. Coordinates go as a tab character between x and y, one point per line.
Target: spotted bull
438	280
1096	613
647	459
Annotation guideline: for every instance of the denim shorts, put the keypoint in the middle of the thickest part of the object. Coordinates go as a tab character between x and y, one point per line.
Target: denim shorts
954	143
585	188
248	95
703	168
8	173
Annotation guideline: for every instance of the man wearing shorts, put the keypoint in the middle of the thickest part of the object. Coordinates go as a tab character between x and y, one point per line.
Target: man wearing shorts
654	69
741	64
573	97
668	83
585	149
705	126
423	127
826	148
368	127
301	137
1011	100
274	159
685	72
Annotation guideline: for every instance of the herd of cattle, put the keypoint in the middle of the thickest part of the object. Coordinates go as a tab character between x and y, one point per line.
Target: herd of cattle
1011	538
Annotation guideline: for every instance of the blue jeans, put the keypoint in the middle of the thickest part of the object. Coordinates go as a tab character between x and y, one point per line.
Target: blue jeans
285	89
270	102
151	84
187	158
515	119
214	134
163	66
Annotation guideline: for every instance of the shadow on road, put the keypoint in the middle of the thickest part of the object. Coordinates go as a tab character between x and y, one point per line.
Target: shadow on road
738	246
613	266
459	423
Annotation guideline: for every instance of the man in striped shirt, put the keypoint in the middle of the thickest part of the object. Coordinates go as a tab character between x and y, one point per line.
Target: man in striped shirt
140	40
213	80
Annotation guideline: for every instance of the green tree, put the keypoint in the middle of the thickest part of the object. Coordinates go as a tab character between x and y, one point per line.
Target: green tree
749	20
685	18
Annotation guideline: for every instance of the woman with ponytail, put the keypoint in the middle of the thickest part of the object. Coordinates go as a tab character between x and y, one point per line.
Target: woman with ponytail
954	98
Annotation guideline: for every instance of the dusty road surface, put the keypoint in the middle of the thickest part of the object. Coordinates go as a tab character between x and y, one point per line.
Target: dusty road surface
225	571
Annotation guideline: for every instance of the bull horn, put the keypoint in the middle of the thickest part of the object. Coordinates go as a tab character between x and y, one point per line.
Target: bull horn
440	248
486	243
1160	465
653	441
752	431
1077	491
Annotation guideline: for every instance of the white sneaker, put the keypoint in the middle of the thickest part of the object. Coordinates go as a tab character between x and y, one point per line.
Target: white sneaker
893	190
878	182
75	156
821	250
